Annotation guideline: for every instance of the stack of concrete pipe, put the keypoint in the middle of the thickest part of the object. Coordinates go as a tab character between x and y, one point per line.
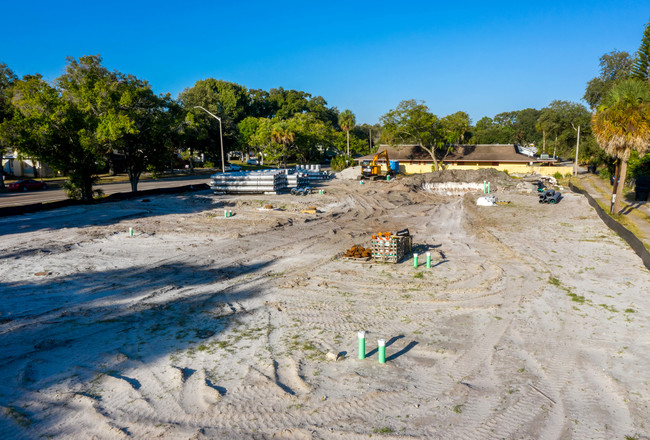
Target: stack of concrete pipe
550	196
313	172
249	182
297	180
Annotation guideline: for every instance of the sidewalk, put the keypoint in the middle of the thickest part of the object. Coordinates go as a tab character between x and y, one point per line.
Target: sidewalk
636	213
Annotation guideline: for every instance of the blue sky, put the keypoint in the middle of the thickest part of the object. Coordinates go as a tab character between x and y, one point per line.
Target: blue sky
479	57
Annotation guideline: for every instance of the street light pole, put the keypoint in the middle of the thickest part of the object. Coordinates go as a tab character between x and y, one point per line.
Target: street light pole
223	162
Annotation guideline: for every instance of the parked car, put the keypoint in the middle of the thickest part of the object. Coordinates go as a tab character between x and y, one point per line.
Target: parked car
232	167
26	185
252	161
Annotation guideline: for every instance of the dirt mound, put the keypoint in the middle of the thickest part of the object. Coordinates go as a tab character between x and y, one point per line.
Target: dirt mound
478	176
348	174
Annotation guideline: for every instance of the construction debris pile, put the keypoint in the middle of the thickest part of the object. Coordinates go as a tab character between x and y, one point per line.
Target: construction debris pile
357	251
249	182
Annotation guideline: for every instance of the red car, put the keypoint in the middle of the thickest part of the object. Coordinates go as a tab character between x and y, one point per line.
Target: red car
26	185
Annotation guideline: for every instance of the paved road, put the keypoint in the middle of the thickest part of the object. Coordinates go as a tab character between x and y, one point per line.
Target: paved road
53	195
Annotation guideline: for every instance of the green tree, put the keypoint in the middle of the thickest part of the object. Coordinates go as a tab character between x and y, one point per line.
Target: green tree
310	136
411	121
286	103
59	124
318	107
614	68
493	131
247	129
339	140
347	122
282	135
7	79
518	127
259	105
368	134
137	125
229	101
56	130
561	120
455	127
524	127
641	67
548	124
622	124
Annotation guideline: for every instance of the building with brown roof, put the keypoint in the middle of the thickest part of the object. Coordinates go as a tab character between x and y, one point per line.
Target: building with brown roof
504	157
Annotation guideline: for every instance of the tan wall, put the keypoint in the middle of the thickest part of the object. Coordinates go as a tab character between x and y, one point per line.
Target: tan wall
407	168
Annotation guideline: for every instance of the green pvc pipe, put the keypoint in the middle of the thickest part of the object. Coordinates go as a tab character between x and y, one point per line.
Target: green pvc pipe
362	345
484	187
130	232
381	343
415	260
488	187
225	213
428	260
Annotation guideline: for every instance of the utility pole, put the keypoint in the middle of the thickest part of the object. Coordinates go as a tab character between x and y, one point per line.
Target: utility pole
575	164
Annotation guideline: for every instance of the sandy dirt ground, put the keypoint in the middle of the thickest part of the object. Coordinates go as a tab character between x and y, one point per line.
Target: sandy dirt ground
532	323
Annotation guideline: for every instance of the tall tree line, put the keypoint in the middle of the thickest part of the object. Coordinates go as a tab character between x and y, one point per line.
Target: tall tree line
79	122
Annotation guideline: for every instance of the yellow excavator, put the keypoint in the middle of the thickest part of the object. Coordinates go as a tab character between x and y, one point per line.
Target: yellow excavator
372	170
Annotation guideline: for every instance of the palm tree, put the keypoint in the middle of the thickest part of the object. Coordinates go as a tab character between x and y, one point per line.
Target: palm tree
347	123
282	134
622	124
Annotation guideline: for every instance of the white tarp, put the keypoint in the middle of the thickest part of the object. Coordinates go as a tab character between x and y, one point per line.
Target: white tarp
486	201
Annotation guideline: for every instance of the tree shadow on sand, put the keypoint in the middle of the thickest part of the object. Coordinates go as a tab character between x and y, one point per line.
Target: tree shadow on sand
75	326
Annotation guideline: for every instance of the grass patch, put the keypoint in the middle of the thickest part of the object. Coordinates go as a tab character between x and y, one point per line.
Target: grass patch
630	311
624	220
576	298
608	308
384	430
458	409
554	282
418	275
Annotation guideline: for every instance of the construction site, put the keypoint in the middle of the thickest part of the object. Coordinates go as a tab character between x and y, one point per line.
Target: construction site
396	308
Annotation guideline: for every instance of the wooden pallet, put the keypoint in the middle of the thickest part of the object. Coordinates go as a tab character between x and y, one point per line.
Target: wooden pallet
357	260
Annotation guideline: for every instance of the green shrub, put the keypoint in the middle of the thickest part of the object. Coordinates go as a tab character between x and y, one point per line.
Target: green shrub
605	173
557	175
340	162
